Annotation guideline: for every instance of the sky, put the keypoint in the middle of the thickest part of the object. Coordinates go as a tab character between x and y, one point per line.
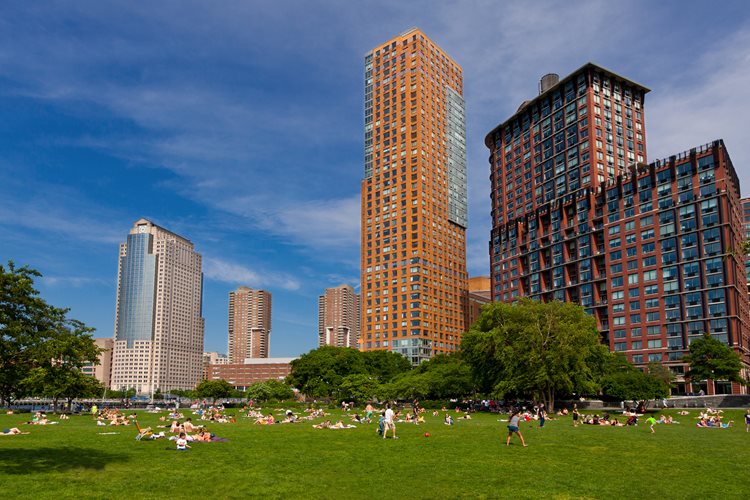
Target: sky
239	125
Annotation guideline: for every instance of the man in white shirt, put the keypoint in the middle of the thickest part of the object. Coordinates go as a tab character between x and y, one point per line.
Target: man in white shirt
390	423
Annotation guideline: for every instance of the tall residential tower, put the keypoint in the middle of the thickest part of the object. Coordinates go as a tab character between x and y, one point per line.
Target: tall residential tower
648	249
414	200
158	325
249	324
339	317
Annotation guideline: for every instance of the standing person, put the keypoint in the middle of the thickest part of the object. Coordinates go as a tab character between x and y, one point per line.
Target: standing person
368	411
651	421
542	415
390	422
513	422
747	421
576	415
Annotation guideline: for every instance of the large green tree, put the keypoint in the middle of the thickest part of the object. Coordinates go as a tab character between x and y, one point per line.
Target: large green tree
535	349
214	389
273	390
320	372
711	359
39	344
624	381
385	365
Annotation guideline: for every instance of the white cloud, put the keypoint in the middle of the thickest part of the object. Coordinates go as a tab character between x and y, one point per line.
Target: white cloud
711	106
230	272
72	281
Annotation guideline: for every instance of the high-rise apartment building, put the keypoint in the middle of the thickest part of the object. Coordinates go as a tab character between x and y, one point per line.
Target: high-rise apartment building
249	324
158	325
339	317
647	249
414	200
746	224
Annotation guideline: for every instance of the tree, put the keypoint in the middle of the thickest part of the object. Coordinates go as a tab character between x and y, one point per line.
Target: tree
214	389
358	387
535	349
661	372
385	365
40	347
448	376
711	359
320	372
269	390
626	382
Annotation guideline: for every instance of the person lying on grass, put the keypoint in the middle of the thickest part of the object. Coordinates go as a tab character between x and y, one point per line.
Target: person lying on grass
13	431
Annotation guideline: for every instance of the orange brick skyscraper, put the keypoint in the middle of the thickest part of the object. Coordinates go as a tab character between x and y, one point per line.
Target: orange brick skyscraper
414	197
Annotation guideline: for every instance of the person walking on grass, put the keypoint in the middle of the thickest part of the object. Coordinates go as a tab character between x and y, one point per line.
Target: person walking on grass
542	416
390	422
651	421
576	415
513	422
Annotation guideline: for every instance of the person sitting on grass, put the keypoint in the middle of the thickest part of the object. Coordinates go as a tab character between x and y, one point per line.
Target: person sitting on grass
448	420
182	444
63	416
13	431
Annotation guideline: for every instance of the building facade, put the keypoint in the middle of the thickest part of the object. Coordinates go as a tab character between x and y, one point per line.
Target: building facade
249	324
646	249
158	341
480	293
746	222
250	371
414	200
102	370
339	317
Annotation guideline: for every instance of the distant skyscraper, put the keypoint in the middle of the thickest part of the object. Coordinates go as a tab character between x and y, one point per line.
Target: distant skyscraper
479	294
102	371
158	325
339	317
414	198
249	324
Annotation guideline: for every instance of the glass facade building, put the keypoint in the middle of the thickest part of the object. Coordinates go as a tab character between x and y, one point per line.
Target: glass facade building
158	338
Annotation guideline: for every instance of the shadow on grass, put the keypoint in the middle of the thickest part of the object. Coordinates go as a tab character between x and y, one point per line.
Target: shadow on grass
33	461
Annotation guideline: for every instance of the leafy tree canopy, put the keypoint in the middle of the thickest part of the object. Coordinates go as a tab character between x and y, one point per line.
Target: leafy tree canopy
40	346
535	349
712	359
214	389
274	390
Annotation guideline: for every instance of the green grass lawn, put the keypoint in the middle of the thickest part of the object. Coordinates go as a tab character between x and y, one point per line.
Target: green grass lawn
468	460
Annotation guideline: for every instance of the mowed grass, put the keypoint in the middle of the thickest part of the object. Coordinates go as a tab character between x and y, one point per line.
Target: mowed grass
468	460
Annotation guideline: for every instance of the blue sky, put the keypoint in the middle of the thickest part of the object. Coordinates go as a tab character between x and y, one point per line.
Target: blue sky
238	125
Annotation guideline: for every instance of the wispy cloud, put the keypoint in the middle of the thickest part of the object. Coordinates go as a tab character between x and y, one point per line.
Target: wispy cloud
73	281
680	116
230	272
40	216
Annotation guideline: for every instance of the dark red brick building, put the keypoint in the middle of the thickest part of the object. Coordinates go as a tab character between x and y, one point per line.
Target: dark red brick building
648	249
